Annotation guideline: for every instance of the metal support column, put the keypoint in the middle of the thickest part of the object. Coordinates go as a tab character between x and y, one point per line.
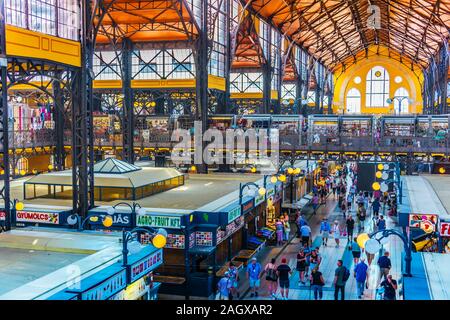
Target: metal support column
267	78
201	58
4	137
128	105
82	120
59	123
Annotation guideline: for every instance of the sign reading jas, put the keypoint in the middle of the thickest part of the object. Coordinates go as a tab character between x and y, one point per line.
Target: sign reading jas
120	220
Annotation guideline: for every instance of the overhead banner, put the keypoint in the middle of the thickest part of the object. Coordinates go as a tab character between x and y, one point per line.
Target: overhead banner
37	217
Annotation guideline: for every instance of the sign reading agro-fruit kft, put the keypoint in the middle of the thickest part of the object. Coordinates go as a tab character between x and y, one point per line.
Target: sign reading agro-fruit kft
159	221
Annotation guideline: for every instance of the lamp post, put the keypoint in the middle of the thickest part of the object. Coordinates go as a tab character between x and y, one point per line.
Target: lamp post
379	235
159	239
15	205
261	190
77	219
383	174
135	209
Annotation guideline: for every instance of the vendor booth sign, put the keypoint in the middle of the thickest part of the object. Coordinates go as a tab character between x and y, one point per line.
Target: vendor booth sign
159	221
426	222
444	229
260	199
143	266
247	206
270	192
133	292
107	288
120	220
37	217
234	213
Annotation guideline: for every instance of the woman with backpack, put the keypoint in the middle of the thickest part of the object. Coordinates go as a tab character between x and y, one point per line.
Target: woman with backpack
271	277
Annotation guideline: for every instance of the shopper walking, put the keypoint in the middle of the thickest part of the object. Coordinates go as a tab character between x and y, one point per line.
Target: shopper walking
361	274
390	287
301	266
385	264
325	229
350	225
376	207
336	231
271	277
234	277
287	229
253	275
317	283
279	227
306	234
314	259
223	287
361	216
315	203
356	251
283	272
381	223
341	276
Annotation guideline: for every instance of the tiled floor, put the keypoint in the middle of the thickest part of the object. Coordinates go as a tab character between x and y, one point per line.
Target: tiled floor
330	255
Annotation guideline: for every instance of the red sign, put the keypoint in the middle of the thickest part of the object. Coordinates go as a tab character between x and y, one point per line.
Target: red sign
37	217
445	229
2	215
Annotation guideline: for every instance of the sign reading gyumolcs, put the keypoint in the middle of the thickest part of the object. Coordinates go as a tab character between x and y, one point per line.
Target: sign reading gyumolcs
231	146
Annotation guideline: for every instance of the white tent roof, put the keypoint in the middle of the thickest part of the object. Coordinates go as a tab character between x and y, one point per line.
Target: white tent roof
131	179
112	165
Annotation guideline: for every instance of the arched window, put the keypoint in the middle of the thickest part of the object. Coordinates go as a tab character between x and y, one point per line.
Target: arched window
401	101
353	103
377	87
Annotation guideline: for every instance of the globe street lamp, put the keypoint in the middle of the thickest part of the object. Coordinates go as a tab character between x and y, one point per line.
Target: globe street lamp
75	218
159	240
261	190
135	209
373	242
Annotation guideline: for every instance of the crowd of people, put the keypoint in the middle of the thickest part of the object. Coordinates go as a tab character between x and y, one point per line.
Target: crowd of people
355	208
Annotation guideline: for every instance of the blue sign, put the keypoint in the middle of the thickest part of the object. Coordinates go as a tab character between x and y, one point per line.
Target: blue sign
120	220
107	288
101	285
145	261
